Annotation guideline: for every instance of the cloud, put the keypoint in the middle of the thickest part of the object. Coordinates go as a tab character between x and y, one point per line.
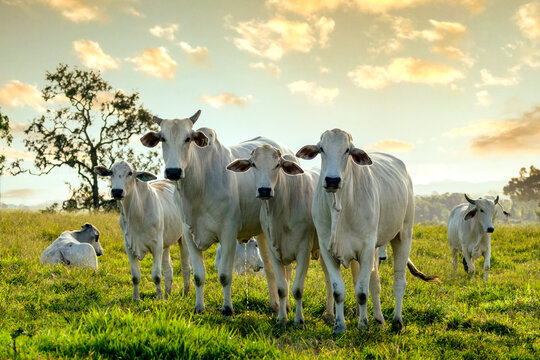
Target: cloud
386	46
403	70
278	36
483	98
93	57
15	94
528	19
503	137
224	99
18	128
164	32
11	153
391	145
156	62
453	53
76	10
20	193
309	7
489	80
323	69
314	92
199	53
134	12
270	67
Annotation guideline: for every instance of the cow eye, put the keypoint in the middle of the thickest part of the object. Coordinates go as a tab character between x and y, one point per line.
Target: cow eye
347	151
277	166
321	150
481	210
188	139
130	173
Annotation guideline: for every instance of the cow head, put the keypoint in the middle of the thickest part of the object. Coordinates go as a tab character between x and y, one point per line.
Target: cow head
336	149
483	210
250	256
266	162
176	137
90	234
123	177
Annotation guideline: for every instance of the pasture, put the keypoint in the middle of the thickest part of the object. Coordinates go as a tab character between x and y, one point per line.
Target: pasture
62	312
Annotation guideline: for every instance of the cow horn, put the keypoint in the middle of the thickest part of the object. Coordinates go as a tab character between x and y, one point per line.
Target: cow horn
157	120
195	116
497	200
470	200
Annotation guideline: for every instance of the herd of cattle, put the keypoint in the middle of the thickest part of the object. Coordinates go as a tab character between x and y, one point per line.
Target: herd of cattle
344	213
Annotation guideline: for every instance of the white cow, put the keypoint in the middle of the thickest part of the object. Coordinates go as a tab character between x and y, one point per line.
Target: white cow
247	257
362	202
217	205
150	222
285	217
77	248
470	226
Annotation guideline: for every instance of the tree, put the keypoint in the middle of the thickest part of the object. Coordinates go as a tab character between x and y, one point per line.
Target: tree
6	136
526	187
94	128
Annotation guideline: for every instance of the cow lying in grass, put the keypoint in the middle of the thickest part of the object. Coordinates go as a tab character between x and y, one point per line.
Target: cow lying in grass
150	222
76	248
247	257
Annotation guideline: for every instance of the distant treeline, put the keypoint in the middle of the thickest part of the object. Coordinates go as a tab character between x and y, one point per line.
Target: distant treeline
436	209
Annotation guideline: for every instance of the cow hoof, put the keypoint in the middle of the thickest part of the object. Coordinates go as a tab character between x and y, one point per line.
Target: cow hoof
380	323
282	322
299	324
363	325
397	325
273	310
329	319
227	311
339	329
136	299
199	309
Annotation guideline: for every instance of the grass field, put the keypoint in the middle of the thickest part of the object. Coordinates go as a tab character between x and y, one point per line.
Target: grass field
62	312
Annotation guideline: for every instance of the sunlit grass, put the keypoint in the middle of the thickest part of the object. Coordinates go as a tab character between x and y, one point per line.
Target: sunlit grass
62	312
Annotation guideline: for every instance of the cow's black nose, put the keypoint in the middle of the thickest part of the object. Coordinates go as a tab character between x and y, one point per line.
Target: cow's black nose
117	193
332	182
173	173
264	193
490	230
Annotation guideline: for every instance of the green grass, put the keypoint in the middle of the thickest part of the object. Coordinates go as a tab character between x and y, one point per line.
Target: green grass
62	312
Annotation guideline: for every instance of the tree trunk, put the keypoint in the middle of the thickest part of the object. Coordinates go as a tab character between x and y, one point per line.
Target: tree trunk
95	189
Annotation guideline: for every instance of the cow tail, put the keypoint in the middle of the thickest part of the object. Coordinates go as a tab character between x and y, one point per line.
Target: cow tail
414	270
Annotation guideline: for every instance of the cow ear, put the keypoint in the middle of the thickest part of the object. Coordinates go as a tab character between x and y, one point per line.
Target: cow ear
240	165
506	213
151	139
291	168
360	157
470	214
102	171
200	139
195	116
308	152
145	176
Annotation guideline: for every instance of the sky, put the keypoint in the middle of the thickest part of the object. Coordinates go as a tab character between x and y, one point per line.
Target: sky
449	86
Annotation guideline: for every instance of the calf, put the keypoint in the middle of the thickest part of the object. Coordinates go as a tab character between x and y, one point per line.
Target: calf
76	248
470	226
247	257
150	222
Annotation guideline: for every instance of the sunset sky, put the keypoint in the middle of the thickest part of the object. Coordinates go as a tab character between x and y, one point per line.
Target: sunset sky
452	87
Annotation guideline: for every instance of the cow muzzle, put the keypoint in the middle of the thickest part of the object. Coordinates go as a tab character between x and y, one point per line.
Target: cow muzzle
490	230
264	193
332	184
117	194
174	173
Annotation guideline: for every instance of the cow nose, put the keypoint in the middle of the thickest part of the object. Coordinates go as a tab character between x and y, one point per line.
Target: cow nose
99	253
264	193
332	183
173	173
490	230
117	193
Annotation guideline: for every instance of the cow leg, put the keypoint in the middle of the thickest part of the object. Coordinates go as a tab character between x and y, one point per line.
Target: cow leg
135	274
184	264
455	257
355	270
167	271
329	317
401	246
199	272
487	261
302	265
338	290
280	273
362	284
156	269
467	257
225	271
269	272
288	273
375	289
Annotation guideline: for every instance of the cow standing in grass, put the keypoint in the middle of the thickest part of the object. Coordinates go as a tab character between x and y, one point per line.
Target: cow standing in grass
76	248
362	202
470	226
150	222
217	205
247	257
